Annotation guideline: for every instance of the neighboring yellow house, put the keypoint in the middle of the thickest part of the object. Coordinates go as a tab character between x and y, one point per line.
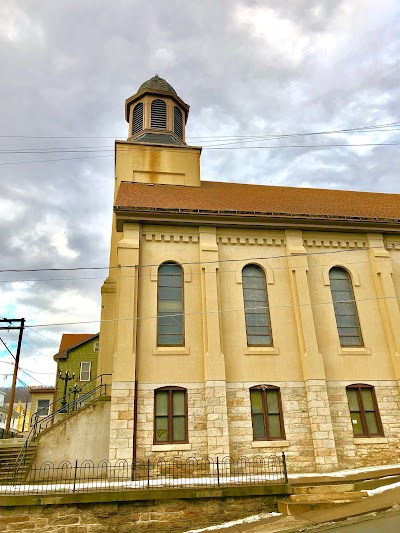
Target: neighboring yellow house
42	404
245	319
24	414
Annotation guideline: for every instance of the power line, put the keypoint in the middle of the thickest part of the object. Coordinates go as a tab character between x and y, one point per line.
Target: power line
150	265
323	132
239	309
8	350
268	147
194	273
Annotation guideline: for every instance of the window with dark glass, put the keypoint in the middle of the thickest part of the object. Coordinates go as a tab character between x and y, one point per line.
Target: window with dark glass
170	320
137	118
43	407
345	307
364	411
159	114
170	415
256	308
178	122
266	413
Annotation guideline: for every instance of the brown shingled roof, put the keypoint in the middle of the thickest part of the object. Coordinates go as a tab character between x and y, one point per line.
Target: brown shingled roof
70	339
225	197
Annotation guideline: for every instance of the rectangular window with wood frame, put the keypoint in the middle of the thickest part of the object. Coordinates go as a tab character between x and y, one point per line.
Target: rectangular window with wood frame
266	413
85	371
170	310
170	415
364	411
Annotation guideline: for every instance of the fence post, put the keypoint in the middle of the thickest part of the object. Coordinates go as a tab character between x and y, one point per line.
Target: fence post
148	473
284	467
75	471
217	470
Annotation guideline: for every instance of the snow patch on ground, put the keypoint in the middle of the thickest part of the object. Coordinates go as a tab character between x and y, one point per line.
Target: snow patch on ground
379	490
343	473
248	520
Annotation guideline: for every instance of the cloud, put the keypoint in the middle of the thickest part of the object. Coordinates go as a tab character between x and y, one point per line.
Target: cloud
245	67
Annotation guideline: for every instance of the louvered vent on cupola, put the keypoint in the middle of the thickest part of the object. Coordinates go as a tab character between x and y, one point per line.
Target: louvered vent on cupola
178	128
158	114
137	118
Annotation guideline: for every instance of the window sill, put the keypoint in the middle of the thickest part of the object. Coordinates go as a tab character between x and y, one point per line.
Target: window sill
269	444
261	350
362	350
171	350
370	440
170	447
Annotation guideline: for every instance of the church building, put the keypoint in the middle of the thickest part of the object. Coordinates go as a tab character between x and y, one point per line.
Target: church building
243	320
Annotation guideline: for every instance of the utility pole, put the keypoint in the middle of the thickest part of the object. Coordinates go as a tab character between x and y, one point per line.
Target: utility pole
11	321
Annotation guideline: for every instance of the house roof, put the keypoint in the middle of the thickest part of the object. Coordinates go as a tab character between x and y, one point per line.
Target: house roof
239	198
70	341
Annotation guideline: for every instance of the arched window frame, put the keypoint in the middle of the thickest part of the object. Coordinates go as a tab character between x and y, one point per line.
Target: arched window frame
267	412
253	328
137	118
178	122
167	326
158	116
364	411
343	315
170	416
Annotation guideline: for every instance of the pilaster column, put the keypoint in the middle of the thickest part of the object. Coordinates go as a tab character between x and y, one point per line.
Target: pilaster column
214	361
383	279
123	380
311	359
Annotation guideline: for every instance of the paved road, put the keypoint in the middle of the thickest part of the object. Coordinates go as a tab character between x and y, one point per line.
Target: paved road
382	524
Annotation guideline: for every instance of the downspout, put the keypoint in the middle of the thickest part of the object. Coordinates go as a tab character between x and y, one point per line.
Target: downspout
135	393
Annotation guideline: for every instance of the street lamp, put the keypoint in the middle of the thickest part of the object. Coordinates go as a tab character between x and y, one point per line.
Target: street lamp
65	378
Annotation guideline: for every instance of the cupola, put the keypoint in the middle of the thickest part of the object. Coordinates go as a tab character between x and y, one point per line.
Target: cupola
156	114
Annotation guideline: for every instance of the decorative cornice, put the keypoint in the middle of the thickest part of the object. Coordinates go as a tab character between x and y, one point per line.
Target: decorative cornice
260	241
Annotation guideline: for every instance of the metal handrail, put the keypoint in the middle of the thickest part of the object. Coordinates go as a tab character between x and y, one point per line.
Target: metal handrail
66	408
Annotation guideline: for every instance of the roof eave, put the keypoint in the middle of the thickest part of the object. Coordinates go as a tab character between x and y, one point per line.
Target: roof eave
255	220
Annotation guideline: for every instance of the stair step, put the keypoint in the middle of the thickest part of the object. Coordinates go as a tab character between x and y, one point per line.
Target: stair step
322	489
327	497
288	508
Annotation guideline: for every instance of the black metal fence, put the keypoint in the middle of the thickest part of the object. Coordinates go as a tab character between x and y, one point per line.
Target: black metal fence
147	474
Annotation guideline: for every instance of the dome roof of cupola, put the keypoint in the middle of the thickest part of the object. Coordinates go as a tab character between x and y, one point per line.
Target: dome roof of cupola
157	84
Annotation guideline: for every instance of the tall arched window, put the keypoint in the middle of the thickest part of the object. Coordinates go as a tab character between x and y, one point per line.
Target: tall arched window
158	114
178	122
344	304
256	307
170	313
137	118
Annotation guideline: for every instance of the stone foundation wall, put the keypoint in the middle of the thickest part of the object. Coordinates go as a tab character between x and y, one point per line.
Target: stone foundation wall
359	452
197	425
169	516
298	446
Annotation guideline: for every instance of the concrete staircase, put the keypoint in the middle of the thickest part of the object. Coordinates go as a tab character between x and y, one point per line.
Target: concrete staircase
313	497
9	451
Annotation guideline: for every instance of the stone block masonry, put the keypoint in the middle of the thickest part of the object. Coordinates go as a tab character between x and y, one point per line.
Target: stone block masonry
121	420
298	445
360	452
156	516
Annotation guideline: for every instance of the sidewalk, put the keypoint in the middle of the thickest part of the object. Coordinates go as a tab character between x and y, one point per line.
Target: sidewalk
293	524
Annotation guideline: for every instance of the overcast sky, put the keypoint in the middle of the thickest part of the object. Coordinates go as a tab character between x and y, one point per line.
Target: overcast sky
260	68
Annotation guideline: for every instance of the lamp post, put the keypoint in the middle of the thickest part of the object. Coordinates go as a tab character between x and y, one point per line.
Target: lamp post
65	378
